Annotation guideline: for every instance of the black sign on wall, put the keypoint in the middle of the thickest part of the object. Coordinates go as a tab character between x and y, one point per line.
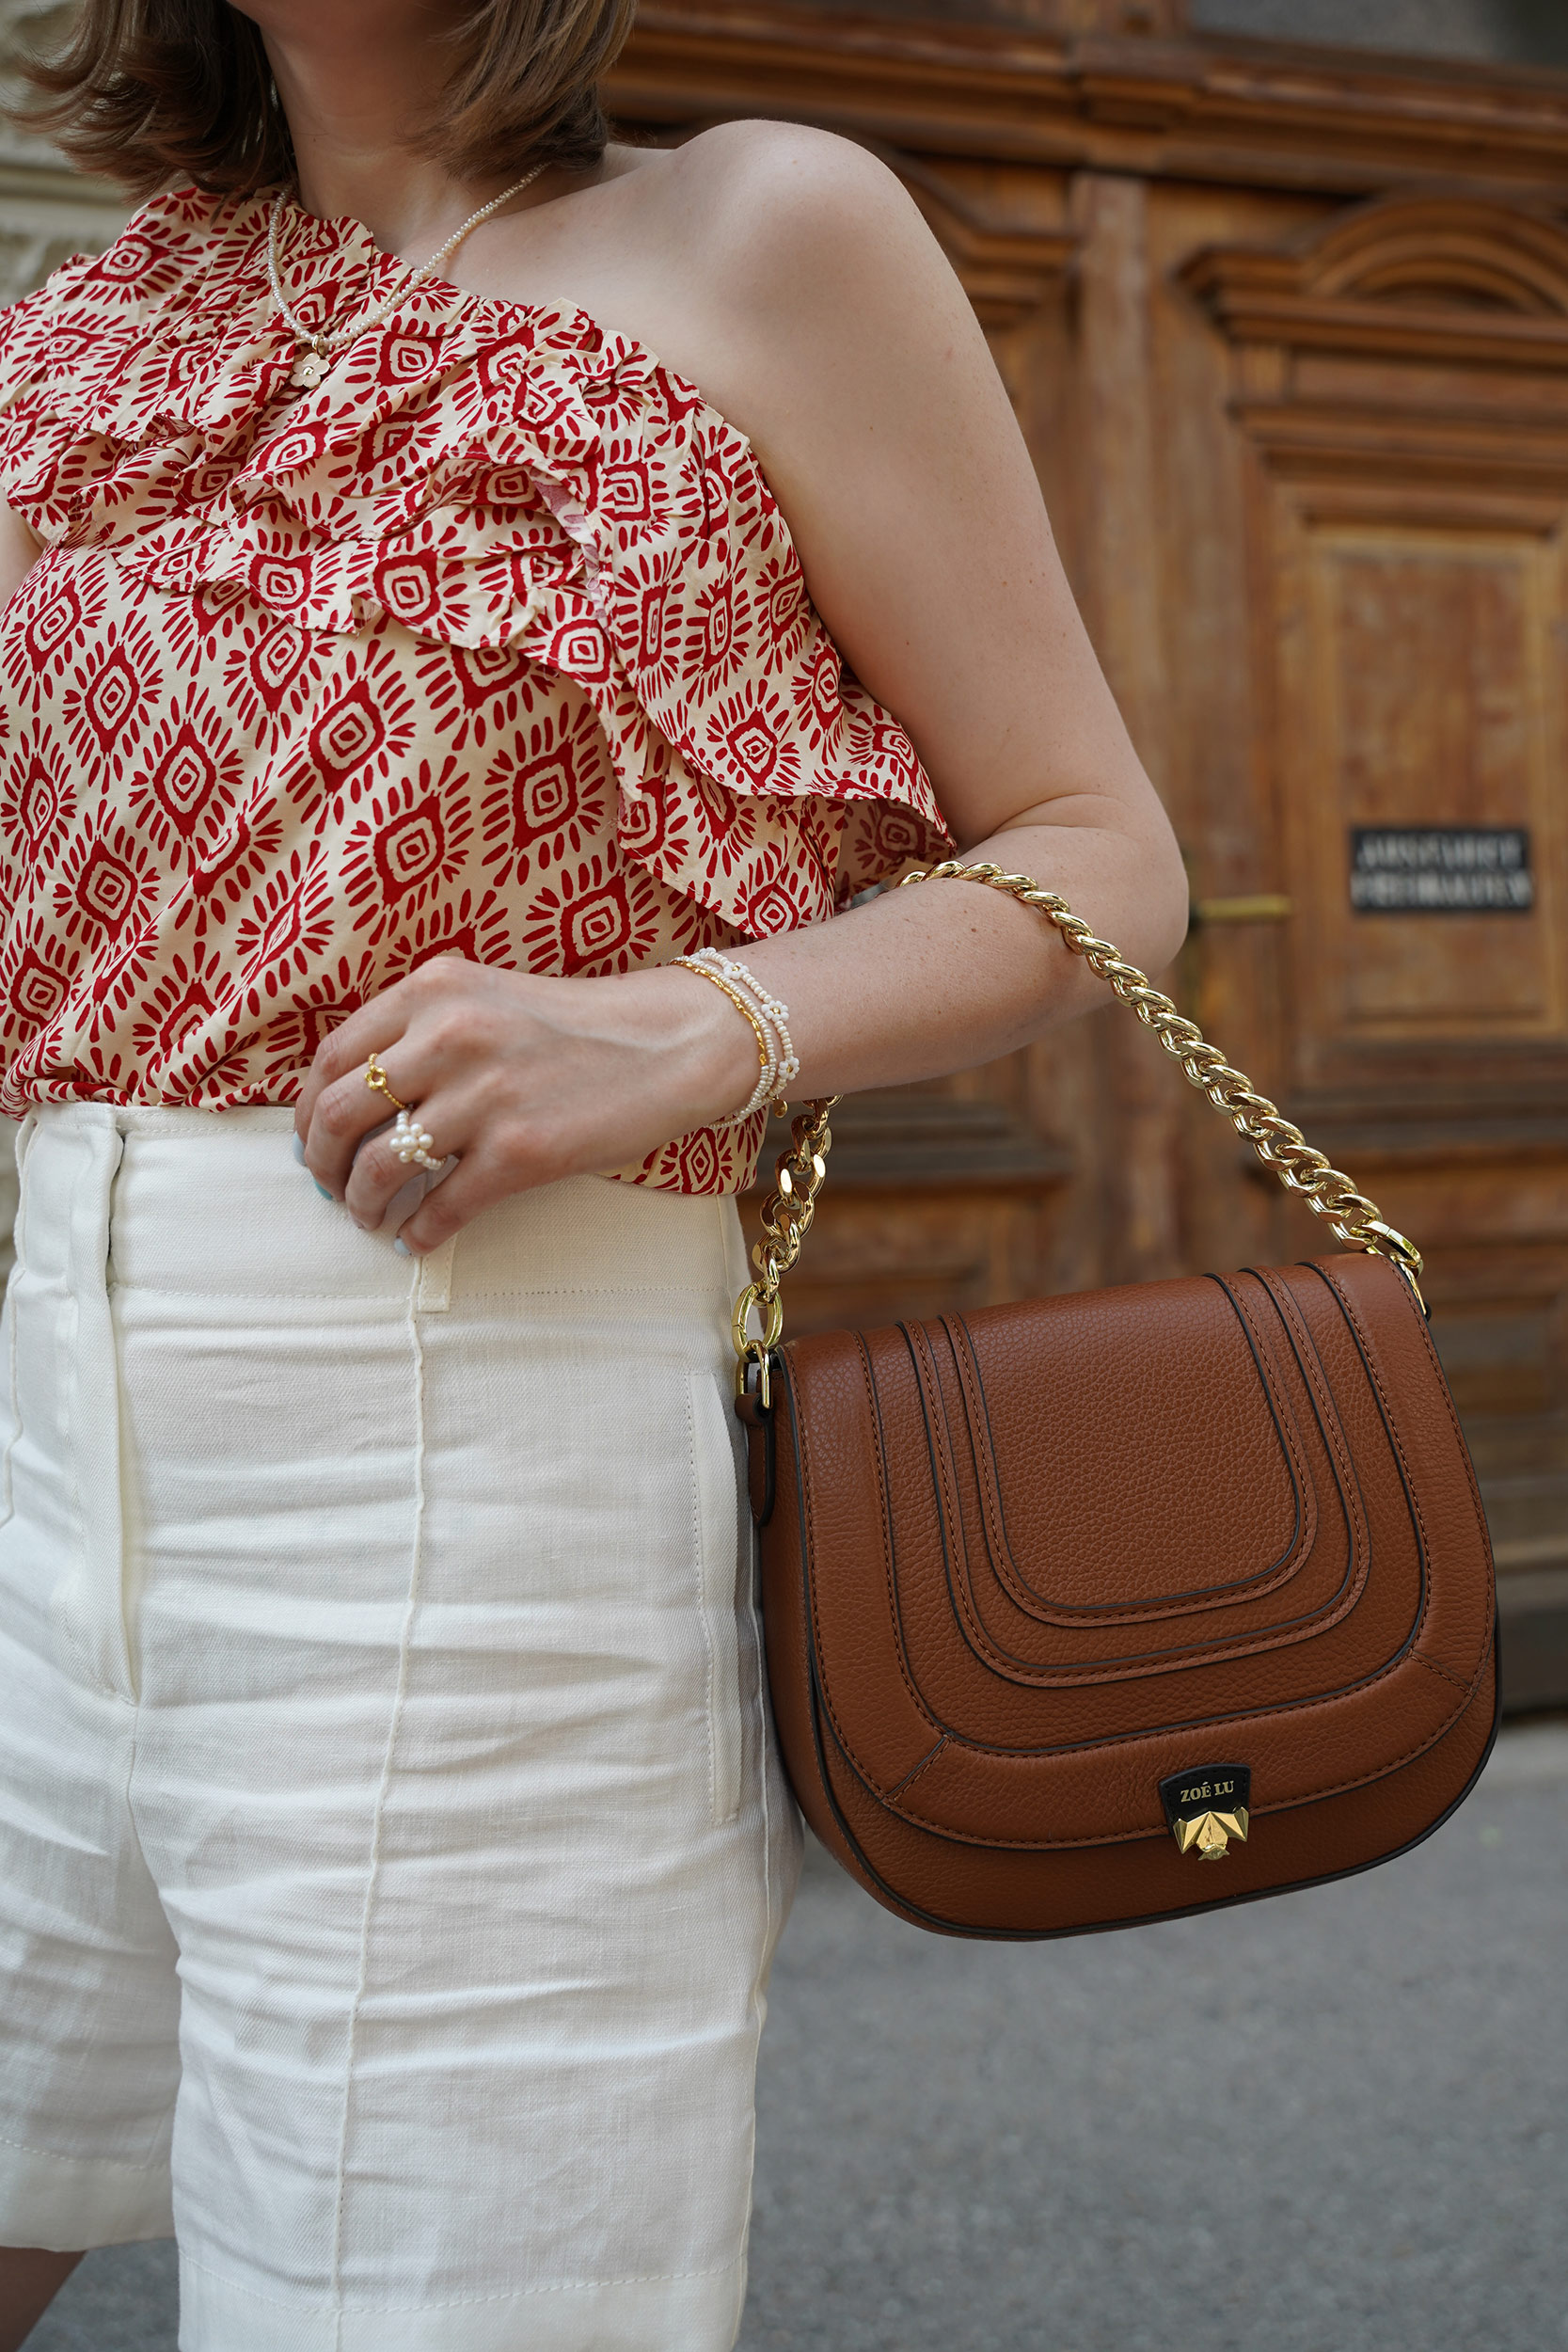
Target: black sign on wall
1441	870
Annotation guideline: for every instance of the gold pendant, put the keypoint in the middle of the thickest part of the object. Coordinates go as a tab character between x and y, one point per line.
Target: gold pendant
307	371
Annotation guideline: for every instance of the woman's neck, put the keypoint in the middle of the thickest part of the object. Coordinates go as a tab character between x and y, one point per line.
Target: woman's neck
351	102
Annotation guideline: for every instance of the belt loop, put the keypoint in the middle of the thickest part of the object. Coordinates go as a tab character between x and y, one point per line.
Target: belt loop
432	1283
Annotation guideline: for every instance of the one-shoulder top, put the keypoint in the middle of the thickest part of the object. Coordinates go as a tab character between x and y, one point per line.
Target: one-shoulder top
497	642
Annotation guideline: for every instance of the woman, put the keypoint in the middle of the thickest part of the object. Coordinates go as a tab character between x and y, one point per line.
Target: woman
399	674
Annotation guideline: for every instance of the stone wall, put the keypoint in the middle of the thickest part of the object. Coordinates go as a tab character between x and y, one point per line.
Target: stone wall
47	211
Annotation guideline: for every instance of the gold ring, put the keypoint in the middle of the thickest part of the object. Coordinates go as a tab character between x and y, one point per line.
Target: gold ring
375	1076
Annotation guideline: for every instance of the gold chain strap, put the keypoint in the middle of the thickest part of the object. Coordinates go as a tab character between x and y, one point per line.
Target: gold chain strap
787	1214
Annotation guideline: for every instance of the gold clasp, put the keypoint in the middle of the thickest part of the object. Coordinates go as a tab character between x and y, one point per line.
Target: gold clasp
1385	1241
1212	1833
1208	1807
749	1349
786	1218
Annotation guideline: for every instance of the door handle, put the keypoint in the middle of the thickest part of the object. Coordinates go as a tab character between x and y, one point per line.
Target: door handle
1265	906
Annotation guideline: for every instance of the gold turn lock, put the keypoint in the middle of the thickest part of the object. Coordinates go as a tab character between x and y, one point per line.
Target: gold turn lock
1211	1834
1207	1807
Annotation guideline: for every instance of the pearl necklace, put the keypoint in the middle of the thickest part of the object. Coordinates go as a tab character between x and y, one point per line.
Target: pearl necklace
317	351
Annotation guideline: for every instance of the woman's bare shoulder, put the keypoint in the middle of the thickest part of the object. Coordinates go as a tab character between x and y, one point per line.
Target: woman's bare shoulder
777	196
785	254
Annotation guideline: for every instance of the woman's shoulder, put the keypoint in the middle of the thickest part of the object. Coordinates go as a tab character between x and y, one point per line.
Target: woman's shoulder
751	257
768	202
784	162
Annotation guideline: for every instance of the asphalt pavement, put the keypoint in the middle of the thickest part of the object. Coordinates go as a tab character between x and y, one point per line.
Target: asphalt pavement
1333	2122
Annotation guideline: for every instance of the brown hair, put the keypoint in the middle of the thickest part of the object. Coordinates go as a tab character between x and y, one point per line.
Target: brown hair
152	91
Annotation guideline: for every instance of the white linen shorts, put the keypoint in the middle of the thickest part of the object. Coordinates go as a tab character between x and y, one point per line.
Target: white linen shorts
391	1844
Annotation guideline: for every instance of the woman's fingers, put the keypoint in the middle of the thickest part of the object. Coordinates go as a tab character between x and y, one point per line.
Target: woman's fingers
341	1125
478	1182
377	1176
331	1118
520	1079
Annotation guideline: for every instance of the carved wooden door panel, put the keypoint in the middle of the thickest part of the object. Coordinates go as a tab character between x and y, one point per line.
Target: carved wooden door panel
1420	756
1397	389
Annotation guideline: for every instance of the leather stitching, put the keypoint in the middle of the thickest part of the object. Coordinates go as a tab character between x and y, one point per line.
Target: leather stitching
1098	1671
1336	1444
1122	1838
1323	1269
1032	1604
808	1524
885	1521
1432	1667
920	1351
911	1777
1348	1308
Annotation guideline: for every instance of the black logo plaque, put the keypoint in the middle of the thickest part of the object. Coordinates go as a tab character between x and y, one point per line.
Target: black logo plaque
1207	1808
1441	870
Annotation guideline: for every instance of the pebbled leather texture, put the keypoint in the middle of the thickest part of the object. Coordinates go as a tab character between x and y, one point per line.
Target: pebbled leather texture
1021	1567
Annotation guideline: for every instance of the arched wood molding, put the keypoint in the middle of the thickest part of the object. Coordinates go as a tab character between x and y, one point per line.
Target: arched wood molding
1206	108
1428	277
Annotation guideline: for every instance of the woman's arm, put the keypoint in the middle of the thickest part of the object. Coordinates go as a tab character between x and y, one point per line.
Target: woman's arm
850	355
19	552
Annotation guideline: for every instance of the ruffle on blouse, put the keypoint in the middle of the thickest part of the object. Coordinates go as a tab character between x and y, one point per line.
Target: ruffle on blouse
487	475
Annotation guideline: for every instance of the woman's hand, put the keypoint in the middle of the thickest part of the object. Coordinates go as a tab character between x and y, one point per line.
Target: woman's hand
524	1080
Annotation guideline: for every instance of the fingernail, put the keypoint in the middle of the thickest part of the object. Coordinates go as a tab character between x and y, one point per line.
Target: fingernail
402	1247
321	1189
298	1140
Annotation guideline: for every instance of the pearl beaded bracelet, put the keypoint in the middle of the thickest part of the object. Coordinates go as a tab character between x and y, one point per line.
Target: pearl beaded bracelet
773	1014
770	1021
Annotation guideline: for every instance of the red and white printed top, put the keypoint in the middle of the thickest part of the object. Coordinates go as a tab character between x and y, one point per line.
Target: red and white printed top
496	641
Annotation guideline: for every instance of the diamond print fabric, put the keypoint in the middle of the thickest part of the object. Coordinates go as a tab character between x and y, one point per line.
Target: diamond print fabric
497	641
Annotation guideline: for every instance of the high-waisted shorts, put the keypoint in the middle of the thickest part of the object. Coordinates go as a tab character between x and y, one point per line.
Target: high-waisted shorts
392	1846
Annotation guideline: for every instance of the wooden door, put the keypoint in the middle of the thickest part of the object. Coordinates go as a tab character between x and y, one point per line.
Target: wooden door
1300	422
1399	400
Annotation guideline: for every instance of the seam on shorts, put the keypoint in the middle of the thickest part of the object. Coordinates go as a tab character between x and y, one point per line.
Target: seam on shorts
373	1874
699	1556
116	2164
73	1409
127	1800
769	1944
464	2302
392	1301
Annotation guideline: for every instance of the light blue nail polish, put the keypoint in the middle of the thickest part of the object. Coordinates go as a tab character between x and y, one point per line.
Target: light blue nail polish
321	1189
402	1247
298	1140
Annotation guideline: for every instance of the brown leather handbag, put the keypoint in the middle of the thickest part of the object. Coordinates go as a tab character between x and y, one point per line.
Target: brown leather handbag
1105	1609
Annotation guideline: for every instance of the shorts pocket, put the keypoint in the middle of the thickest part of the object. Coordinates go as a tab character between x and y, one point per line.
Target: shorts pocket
716	1508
